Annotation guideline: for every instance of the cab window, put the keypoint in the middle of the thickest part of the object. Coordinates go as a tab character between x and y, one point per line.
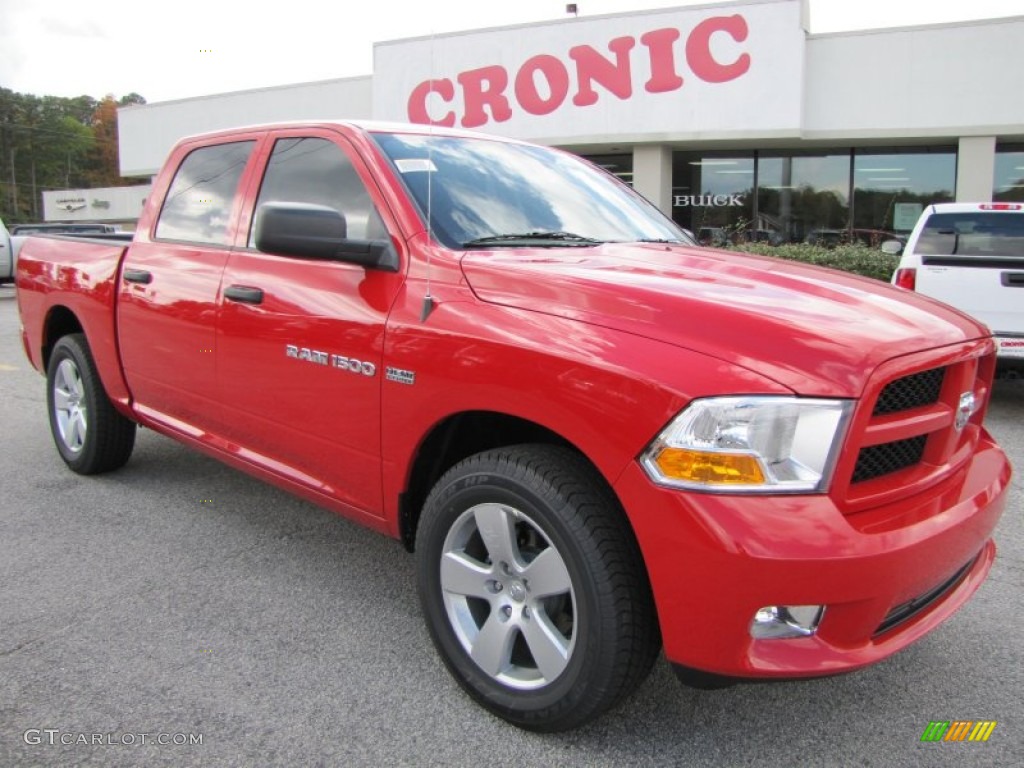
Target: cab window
314	170
973	234
198	205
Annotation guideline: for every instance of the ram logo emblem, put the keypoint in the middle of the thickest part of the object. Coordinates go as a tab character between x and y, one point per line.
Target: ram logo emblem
965	410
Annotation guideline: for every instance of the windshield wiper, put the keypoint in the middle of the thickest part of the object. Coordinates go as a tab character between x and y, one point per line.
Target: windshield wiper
534	238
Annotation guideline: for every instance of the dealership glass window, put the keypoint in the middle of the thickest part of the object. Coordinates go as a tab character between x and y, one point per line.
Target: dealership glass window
893	186
803	196
713	195
1009	174
866	195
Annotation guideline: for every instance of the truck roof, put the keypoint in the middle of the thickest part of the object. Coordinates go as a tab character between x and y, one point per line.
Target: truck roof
971	207
366	126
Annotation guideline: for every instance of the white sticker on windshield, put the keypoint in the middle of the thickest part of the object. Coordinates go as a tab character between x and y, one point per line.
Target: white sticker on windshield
415	164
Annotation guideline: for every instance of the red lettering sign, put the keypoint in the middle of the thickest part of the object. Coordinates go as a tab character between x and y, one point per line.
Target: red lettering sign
555	76
417	106
698	49
542	84
591	66
660	44
484	87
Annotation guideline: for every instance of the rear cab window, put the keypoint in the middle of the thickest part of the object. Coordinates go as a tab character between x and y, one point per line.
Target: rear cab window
976	234
198	205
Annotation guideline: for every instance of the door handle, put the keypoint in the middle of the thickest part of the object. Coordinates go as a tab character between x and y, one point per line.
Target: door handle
137	276
244	294
1013	279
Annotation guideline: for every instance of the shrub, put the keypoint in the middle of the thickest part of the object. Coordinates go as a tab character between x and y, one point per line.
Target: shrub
859	259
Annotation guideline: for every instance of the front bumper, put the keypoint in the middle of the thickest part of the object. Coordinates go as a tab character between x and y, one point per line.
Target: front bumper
714	560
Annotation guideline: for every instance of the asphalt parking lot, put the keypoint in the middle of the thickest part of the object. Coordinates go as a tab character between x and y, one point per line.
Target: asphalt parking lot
180	597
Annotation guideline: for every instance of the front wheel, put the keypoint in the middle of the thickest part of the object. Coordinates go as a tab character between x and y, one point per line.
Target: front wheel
533	587
89	434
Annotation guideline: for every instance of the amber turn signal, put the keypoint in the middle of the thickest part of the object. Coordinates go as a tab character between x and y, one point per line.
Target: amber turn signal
709	468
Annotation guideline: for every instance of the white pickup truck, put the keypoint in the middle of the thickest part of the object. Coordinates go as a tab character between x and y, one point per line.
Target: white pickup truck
11	240
971	255
7	256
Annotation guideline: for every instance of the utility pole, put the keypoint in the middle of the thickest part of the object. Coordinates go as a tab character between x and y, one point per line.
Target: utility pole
14	186
35	193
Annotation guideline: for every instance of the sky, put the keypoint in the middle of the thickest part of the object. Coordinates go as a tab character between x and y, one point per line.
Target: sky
186	48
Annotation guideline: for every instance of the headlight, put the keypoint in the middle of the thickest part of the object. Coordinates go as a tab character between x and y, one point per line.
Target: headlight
750	445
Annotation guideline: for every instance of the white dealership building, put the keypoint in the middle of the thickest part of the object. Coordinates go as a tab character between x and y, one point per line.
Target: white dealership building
727	115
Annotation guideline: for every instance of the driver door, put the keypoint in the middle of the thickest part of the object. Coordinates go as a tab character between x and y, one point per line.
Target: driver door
300	340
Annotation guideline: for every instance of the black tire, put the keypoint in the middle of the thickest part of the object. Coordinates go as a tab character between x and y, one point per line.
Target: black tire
89	434
556	653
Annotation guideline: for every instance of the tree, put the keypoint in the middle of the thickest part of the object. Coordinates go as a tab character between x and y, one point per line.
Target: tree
52	142
104	169
131	100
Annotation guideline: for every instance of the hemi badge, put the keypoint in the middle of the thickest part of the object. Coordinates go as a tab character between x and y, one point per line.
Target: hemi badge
399	375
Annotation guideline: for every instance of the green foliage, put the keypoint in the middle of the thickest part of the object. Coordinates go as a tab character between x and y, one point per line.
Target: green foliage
52	142
859	259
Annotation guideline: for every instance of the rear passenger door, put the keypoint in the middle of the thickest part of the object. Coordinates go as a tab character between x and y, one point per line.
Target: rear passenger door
300	340
170	283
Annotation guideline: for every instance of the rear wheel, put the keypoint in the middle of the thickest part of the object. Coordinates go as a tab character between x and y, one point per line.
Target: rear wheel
89	434
533	587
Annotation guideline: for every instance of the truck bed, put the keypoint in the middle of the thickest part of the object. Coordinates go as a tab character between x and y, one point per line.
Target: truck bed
63	277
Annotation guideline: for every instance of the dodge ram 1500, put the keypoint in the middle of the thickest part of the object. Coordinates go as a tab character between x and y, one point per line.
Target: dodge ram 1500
597	437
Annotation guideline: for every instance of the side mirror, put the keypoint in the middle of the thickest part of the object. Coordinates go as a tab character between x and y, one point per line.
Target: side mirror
892	247
318	232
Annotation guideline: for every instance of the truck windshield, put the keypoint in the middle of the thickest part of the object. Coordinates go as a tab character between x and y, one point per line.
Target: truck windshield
492	194
973	234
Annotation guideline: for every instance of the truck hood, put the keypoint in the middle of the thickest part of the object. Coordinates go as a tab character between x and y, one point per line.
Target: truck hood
816	331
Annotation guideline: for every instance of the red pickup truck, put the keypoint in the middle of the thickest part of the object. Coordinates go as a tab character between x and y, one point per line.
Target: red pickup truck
596	436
